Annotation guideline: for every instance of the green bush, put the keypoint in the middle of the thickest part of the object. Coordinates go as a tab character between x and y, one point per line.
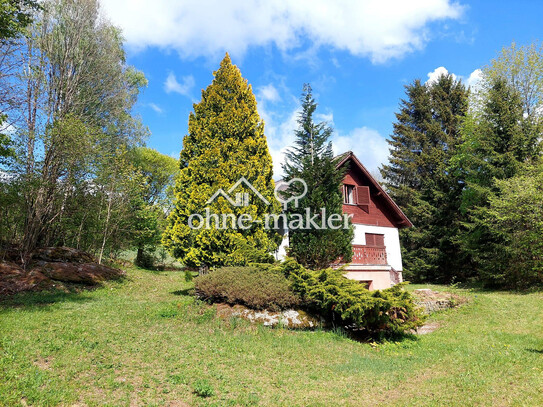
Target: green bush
203	389
258	287
328	292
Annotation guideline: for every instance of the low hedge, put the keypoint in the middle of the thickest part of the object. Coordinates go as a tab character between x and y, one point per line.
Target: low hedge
324	292
257	287
328	292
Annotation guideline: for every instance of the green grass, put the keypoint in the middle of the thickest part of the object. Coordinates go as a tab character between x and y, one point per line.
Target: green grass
145	341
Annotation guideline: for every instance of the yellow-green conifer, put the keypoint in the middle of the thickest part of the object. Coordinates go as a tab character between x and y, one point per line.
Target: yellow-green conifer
225	142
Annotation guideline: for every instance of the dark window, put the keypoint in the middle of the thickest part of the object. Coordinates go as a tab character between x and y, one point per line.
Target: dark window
348	194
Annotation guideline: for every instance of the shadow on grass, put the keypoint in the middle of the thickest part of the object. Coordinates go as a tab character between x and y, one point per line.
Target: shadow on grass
43	299
185	292
540	351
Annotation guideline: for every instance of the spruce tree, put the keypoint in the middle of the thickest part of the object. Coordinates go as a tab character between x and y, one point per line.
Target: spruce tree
312	160
225	142
499	142
418	177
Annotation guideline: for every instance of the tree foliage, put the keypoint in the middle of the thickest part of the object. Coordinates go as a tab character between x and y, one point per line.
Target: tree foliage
150	207
69	93
328	292
499	141
15	16
311	159
426	136
225	142
513	249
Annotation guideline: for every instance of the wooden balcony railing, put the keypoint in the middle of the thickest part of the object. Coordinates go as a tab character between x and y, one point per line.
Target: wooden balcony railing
369	255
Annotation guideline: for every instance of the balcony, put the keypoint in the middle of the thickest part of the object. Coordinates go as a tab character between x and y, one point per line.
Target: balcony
369	255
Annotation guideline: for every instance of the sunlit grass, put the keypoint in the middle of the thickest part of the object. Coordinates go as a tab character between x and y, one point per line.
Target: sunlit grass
145	341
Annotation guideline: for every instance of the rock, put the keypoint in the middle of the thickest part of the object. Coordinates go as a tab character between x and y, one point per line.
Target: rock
289	318
432	301
62	254
82	273
14	279
423	291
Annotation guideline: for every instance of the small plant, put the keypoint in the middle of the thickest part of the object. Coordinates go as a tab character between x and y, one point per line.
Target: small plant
202	388
188	275
207	315
168	313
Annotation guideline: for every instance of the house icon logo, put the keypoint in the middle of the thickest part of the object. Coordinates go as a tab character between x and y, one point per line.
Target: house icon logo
240	199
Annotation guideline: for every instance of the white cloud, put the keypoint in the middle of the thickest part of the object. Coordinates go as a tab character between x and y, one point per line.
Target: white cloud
376	29
367	144
172	85
156	108
268	93
472	80
436	73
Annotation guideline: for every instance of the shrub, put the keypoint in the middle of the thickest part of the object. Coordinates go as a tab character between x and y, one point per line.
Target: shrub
188	275
329	293
203	389
258	287
145	260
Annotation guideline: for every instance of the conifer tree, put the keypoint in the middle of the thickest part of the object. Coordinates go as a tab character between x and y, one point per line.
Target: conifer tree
312	160
499	142
426	135
225	142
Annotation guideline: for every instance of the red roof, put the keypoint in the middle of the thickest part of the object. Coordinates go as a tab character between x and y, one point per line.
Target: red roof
402	221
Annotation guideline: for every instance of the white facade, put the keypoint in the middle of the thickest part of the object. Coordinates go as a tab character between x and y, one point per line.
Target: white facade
392	242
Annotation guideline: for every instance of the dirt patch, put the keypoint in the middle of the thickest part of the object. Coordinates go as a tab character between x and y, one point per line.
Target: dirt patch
427	328
43	363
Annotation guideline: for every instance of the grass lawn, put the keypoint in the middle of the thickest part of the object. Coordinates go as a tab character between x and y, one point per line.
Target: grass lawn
144	341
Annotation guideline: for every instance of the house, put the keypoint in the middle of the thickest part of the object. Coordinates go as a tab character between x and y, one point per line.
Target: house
377	258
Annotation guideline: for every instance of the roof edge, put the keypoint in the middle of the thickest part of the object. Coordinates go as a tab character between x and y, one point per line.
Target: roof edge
349	155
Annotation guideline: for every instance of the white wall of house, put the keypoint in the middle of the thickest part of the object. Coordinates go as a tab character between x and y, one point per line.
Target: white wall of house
392	242
281	252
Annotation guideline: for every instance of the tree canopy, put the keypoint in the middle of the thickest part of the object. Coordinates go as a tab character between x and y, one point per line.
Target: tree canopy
225	142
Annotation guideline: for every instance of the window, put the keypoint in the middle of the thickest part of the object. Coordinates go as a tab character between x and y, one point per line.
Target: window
368	284
375	240
348	194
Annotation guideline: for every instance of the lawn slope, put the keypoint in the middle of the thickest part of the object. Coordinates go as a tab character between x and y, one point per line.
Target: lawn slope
145	341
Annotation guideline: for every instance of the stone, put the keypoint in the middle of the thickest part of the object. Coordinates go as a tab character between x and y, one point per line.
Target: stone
81	273
14	279
296	319
62	254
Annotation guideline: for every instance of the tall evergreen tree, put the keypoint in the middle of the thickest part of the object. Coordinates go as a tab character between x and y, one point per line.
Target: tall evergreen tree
426	135
225	142
312	160
499	141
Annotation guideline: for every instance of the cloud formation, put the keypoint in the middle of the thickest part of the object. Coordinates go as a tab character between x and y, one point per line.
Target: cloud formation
184	88
377	29
472	80
155	107
368	145
268	93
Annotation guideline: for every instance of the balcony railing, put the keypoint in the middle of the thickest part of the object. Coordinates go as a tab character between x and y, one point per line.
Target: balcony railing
369	255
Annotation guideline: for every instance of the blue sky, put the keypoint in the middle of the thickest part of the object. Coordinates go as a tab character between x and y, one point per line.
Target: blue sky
357	55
